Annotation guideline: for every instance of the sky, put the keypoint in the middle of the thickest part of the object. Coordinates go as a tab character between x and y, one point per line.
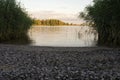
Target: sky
65	10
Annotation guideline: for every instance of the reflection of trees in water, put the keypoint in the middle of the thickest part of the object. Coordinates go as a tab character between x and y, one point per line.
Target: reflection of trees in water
79	35
50	29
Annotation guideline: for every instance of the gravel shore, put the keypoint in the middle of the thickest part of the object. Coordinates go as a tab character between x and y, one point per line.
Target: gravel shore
55	63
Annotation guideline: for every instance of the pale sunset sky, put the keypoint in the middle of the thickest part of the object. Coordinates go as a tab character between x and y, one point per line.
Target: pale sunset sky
65	10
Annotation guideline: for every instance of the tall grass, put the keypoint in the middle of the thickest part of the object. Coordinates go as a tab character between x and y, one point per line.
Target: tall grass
104	15
14	21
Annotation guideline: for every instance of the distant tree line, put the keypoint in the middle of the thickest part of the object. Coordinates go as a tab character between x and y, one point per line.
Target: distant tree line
104	16
14	21
50	22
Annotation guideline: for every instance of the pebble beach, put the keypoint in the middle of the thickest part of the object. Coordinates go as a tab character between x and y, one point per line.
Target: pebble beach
19	62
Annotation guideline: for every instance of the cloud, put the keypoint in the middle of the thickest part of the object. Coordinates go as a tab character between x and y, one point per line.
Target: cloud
71	18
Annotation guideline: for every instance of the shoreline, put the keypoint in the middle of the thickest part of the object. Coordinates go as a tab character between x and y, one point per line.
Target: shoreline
58	63
54	25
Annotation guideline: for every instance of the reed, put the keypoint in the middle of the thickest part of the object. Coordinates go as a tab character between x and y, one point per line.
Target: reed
104	16
14	21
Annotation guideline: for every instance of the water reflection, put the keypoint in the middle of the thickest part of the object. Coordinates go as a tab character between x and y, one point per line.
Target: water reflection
66	36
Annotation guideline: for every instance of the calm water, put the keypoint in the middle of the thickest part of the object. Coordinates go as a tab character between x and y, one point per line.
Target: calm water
63	36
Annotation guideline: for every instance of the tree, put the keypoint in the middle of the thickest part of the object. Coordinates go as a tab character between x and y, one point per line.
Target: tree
49	22
104	16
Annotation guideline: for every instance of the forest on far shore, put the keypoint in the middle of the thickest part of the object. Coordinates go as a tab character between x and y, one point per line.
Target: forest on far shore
50	22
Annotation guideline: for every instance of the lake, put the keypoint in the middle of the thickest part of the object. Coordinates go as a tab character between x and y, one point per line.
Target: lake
63	36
